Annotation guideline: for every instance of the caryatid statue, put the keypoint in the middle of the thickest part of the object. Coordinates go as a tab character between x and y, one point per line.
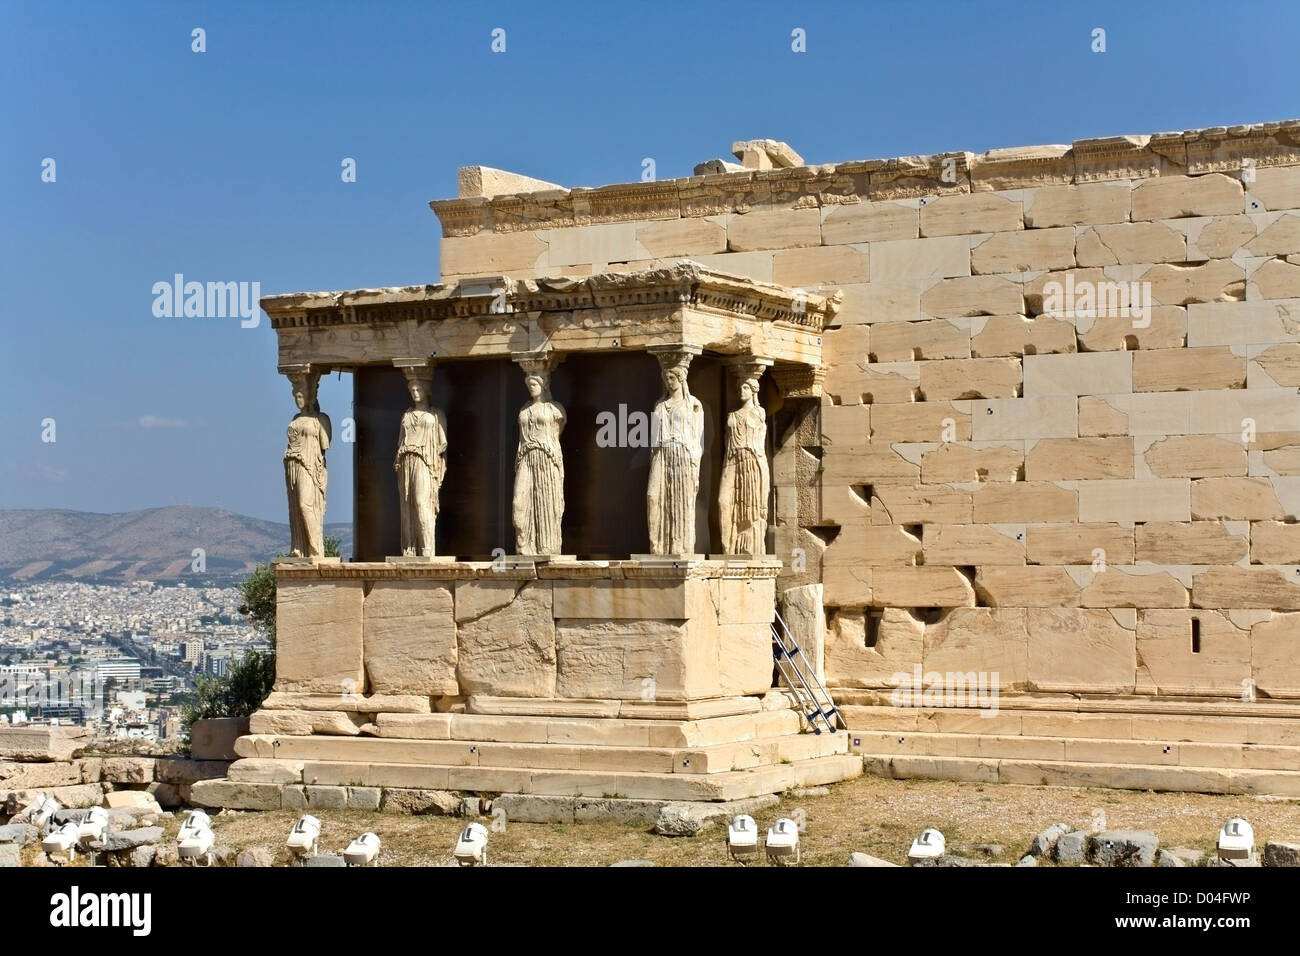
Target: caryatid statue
742	499
304	469
676	447
421	464
538	505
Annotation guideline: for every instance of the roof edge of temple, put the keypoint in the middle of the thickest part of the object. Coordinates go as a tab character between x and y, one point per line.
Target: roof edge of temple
1190	152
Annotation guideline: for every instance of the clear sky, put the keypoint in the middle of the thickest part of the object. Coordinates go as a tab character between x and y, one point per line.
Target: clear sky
225	166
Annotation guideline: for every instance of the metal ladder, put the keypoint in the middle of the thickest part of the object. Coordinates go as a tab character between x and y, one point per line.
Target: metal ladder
811	694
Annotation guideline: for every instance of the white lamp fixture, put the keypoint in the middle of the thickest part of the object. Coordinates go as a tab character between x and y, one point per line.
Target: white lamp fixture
93	824
783	842
43	810
361	851
62	840
471	847
195	820
1236	840
928	845
742	838
196	844
304	838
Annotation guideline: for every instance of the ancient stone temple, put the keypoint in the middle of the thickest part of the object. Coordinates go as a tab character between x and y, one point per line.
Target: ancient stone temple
1024	421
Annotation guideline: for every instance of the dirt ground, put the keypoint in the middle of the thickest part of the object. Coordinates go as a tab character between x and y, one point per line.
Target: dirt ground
870	814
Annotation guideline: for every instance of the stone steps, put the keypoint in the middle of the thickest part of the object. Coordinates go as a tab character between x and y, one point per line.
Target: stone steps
1086	774
1278	726
1091	750
728	785
485	754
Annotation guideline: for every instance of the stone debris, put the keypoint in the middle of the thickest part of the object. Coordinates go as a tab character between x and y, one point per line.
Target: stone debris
1071	847
1179	857
1278	853
418	802
19	834
324	860
1123	848
1045	842
866	859
1027	860
689	819
633	863
255	856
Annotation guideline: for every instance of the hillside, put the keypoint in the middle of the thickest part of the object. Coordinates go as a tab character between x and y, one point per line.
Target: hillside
155	544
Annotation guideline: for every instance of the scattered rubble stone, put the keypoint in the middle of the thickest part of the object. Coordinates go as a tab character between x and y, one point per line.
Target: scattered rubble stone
1123	848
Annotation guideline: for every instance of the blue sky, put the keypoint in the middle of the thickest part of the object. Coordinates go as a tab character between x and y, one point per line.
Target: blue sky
225	166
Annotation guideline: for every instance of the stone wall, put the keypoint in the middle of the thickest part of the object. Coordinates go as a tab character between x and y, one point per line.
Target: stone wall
995	480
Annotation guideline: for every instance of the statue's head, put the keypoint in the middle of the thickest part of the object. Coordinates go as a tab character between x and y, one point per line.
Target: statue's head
675	381
418	385
304	392
536	383
748	390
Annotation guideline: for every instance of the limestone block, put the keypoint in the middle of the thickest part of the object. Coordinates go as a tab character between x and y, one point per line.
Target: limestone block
265	770
1218	280
1076	205
1243	323
921	587
1276	279
1278	238
845	425
1274	643
1060	459
230	795
1075	292
1170	663
958	461
973	295
319	636
920	258
127	769
980	639
1219	237
1275	588
1079	649
1237	499
752	265
508	650
914	504
1277	187
897	300
1133	586
1058	544
1027	251
1275	365
745	655
1195	456
1284	460
1174	197
491	254
869	222
1189	542
971	378
921	421
299	723
41	743
821	265
33	776
847	585
865	544
1165	328
1148	413
626	659
682	237
178	770
927	339
596	244
858	383
804	613
1130	243
1273	542
1051	416
1019	502
967	545
897	647
625	600
970	213
215	737
1029	586
774	229
1154	499
872	462
410	638
1089	373
1189	369
1019	335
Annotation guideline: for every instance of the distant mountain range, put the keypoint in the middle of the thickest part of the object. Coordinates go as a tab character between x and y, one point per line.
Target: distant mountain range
156	544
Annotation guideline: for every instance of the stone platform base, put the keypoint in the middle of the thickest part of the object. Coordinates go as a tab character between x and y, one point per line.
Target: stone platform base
1200	746
711	750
